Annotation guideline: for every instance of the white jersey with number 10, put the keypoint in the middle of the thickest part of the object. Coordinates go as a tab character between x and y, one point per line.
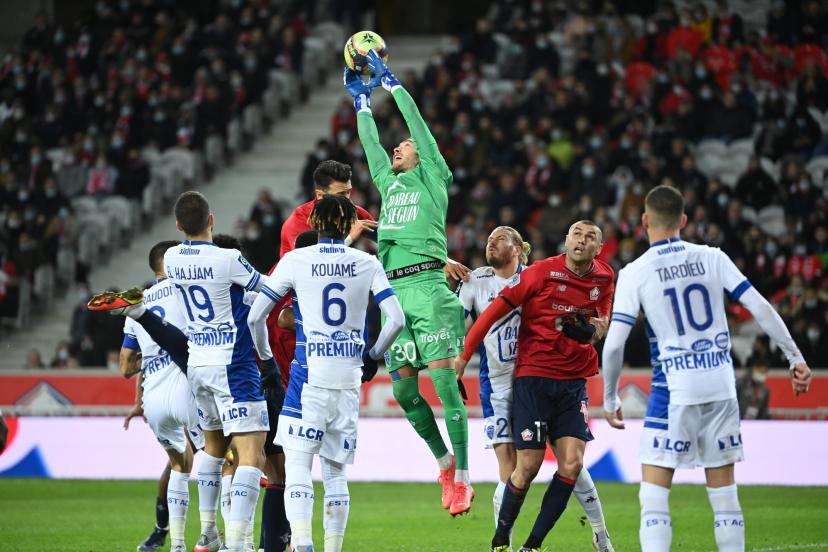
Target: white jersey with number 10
681	288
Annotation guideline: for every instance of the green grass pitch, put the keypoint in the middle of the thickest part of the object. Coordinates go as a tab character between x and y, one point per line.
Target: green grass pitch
84	516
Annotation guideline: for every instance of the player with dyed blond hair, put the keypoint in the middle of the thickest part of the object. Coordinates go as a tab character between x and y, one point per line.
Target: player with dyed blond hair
565	303
507	255
693	418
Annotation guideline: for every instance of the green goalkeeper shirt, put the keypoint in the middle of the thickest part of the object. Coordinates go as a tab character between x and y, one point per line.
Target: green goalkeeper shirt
412	221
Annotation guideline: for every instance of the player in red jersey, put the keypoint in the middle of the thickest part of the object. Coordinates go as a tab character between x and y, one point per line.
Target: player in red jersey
566	301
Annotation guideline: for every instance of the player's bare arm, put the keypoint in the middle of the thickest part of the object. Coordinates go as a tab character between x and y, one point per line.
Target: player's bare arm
129	362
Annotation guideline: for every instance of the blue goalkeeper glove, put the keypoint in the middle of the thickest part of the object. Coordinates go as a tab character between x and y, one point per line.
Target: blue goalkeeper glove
381	71
359	90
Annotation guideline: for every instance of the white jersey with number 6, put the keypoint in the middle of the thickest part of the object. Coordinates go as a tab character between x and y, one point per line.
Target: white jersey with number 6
212	283
331	284
681	288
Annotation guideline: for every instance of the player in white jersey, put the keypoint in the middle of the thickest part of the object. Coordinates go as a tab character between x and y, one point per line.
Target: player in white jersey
164	393
507	254
222	368
693	418
331	284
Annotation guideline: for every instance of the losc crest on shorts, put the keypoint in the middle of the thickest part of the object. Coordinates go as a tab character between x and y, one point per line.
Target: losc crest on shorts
690	436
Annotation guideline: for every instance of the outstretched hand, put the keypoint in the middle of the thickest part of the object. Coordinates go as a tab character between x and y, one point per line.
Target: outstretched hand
382	74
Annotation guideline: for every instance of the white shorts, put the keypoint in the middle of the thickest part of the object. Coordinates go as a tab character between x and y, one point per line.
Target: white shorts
698	435
325	424
171	413
497	428
229	398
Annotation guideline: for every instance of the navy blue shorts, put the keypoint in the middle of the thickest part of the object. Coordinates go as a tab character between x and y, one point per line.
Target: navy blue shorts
545	410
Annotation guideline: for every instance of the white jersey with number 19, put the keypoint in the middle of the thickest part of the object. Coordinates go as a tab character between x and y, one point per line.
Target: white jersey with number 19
681	286
212	282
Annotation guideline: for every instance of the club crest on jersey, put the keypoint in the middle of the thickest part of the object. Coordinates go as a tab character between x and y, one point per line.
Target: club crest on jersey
594	293
527	434
245	264
562	288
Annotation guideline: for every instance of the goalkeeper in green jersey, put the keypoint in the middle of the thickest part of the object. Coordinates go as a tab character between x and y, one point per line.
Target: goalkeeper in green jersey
411	240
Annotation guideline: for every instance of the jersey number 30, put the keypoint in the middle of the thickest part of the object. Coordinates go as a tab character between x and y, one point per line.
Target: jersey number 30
687	295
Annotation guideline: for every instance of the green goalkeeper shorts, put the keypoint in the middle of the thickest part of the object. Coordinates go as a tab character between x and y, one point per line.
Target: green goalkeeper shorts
434	325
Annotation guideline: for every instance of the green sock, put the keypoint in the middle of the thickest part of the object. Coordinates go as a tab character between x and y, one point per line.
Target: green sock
445	383
407	393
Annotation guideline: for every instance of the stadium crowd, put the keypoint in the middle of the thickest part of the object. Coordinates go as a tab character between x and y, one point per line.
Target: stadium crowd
549	114
94	112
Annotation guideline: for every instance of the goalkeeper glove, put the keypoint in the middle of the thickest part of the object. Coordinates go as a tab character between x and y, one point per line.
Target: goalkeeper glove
578	328
381	72
369	366
359	90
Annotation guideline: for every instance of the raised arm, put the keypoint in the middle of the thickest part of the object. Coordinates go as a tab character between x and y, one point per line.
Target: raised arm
378	162
425	142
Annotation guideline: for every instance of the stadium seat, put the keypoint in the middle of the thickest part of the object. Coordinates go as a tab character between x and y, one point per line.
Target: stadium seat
770	167
741	147
711	146
252	121
817	168
771	220
234	136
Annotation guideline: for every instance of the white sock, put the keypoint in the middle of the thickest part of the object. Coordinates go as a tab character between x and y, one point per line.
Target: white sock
461	476
135	311
244	494
178	499
445	461
656	532
587	495
299	496
728	521
226	482
337	504
209	481
497	499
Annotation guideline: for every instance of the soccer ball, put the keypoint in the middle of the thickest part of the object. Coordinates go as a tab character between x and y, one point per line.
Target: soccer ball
357	47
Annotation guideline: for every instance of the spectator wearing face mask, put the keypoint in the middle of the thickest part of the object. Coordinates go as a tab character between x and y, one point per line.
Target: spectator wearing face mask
62	355
752	392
